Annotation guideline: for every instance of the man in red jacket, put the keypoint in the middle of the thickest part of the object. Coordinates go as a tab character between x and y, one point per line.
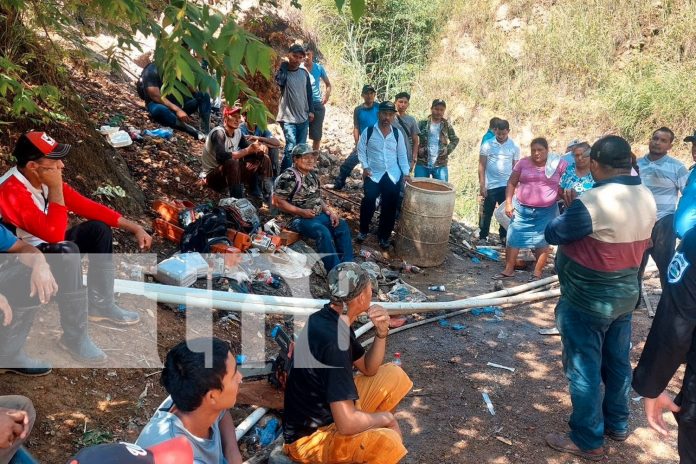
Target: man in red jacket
35	201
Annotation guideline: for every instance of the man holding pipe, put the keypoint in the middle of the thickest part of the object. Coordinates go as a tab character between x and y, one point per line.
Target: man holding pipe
329	415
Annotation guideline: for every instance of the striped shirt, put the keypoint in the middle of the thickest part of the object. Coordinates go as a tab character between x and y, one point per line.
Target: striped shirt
665	178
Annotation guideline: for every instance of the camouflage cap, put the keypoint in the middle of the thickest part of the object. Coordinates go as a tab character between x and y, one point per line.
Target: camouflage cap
302	149
346	281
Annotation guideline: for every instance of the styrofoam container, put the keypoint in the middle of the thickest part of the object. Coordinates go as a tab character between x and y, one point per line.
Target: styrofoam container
120	139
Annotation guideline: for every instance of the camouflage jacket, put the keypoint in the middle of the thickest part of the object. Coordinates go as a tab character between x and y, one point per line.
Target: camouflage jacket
448	142
307	197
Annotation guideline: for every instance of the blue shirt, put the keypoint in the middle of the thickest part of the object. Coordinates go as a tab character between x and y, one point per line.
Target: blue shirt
318	72
365	117
244	129
383	155
7	239
487	136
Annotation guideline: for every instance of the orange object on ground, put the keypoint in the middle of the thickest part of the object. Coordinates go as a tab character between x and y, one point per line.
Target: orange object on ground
379	393
233	255
169	210
239	239
288	237
168	230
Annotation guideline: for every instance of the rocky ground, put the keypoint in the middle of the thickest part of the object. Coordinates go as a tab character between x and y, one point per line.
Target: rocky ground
444	418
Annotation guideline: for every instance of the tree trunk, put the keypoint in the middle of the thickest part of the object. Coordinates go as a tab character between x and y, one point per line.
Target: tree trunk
92	162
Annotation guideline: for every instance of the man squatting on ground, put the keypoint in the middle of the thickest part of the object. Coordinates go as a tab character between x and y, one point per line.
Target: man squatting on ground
597	264
330	416
364	116
295	110
672	337
298	196
382	153
35	202
230	162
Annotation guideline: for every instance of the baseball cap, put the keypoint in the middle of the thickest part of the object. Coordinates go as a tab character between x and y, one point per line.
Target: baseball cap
346	281
230	110
34	145
296	48
691	138
438	102
387	106
573	143
367	88
175	451
613	151
302	149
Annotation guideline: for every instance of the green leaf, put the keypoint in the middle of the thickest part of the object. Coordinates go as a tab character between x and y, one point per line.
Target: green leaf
252	57
230	89
357	8
339	4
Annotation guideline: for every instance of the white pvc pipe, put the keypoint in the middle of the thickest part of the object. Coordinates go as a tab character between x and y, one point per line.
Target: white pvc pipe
147	289
249	422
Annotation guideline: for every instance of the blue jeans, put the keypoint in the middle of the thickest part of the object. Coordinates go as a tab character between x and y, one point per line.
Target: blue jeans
595	351
439	173
333	243
294	134
199	102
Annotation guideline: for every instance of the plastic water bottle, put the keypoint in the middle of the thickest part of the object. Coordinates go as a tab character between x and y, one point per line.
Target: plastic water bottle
397	359
437	288
162	132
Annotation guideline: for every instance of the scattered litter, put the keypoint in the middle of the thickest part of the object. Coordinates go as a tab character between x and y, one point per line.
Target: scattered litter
437	288
458	327
401	291
269	433
443	323
119	139
389	275
182	269
500	366
272	227
241	359
504	440
488	402
475	260
162	132
489	253
495	310
502	335
411	268
268	278
467	245
455	360
143	395
111	191
229	318
551	331
637	399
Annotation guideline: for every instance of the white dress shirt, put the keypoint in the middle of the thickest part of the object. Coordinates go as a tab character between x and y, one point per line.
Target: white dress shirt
383	154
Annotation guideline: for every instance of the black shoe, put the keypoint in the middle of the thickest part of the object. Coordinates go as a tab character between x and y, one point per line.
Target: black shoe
361	237
339	184
616	436
84	350
384	243
114	314
27	366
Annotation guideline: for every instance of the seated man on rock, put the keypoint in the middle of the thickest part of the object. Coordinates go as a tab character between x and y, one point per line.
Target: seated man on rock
25	283
167	111
329	415
198	403
35	201
298	197
230	161
17	417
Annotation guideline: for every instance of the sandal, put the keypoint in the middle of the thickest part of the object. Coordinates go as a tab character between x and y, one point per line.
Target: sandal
501	276
533	278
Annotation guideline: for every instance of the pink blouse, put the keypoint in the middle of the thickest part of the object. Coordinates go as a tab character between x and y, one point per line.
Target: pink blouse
534	188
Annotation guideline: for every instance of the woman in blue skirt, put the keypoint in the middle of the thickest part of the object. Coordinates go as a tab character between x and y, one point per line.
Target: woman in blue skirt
535	183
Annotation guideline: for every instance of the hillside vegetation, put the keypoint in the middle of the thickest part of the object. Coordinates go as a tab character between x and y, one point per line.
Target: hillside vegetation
561	69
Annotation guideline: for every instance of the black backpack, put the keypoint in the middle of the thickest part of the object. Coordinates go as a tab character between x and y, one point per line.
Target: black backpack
209	229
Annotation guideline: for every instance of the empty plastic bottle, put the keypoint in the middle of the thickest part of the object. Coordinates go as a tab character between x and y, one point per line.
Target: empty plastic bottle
437	288
397	359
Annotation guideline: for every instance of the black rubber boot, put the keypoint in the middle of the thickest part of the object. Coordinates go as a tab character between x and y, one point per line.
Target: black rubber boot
190	130
267	190
73	318
12	338
102	304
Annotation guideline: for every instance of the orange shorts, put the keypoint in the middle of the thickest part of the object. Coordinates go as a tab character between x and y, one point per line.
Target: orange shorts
378	393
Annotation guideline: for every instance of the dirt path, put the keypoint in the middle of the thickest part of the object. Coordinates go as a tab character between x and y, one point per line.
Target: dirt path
444	418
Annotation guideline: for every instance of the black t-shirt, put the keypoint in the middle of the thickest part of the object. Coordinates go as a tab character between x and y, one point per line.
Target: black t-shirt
311	388
150	78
